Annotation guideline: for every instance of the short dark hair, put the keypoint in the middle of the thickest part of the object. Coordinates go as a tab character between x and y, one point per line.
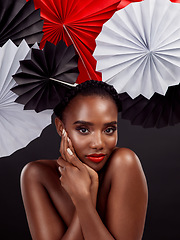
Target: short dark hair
88	88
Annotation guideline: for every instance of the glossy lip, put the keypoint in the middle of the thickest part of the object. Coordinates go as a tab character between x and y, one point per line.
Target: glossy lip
96	157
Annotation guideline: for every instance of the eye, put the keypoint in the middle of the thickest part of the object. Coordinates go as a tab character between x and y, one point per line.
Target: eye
83	130
110	130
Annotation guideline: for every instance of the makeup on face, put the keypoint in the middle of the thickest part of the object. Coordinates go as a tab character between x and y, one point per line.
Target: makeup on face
96	157
91	123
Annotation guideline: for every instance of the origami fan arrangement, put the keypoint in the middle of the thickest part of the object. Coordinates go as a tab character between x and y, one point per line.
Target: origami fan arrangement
19	20
77	22
138	52
18	127
160	111
43	79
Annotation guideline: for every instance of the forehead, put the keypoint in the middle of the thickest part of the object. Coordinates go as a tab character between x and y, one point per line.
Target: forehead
91	108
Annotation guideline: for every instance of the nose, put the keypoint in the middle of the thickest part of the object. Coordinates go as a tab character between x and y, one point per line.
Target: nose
97	141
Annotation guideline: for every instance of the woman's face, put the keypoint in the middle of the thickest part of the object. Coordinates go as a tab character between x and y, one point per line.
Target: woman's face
91	124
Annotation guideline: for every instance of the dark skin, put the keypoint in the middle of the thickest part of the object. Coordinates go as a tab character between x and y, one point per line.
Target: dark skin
73	198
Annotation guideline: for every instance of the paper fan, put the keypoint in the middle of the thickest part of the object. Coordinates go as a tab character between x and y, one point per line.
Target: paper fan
138	50
159	111
77	22
18	127
43	79
124	3
19	20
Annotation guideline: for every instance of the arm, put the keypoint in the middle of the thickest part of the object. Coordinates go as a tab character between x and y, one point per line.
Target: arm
76	178
127	200
41	188
43	220
126	205
76	181
45	223
74	230
128	196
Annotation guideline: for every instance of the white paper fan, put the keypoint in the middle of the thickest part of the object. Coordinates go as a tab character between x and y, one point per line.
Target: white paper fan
138	49
17	126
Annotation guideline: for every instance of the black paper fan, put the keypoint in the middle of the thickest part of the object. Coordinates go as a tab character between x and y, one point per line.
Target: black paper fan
44	78
159	111
19	20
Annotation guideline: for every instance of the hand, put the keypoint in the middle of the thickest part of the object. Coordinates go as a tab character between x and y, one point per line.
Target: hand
75	178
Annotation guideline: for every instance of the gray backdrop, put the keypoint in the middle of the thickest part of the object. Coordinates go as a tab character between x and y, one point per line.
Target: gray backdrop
158	150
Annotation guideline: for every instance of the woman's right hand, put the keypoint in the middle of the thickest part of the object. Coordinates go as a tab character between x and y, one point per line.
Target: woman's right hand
66	143
75	178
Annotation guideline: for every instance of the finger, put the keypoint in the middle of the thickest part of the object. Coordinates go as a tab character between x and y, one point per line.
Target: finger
59	159
62	150
61	169
62	163
70	154
73	159
68	148
65	146
62	144
70	145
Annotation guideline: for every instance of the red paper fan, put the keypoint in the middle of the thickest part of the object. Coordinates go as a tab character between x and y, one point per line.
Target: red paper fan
78	22
124	3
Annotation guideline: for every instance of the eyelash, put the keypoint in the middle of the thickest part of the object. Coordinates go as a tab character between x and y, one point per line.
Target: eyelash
80	129
113	129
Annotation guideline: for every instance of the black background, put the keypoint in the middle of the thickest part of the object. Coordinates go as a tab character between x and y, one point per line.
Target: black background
158	150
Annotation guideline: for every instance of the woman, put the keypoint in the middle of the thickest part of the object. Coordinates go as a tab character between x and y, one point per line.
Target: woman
94	190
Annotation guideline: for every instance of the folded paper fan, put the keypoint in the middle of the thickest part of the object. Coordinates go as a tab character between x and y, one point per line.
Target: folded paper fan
44	78
19	20
76	22
159	111
124	3
138	50
18	127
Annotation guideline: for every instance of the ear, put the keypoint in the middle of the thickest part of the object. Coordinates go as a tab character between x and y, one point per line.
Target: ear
59	126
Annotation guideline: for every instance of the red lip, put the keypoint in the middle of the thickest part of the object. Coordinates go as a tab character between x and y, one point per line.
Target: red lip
96	157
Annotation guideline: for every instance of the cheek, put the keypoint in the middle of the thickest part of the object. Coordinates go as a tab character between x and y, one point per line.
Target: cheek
111	142
79	142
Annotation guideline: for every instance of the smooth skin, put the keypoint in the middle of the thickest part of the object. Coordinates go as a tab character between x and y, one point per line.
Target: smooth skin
73	198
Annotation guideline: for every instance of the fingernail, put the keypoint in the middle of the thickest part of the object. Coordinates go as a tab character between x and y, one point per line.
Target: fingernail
63	131
68	139
69	151
59	169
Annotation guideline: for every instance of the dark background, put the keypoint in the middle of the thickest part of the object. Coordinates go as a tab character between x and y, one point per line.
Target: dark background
158	150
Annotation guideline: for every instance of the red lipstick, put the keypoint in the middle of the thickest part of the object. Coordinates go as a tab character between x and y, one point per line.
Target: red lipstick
96	157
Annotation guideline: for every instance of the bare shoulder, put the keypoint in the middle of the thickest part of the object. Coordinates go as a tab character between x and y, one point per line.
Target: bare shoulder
128	197
126	163
126	172
125	156
38	170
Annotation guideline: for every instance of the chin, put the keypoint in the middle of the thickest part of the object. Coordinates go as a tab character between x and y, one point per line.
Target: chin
96	166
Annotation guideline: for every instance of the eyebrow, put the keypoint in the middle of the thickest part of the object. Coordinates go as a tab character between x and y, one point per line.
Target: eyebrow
91	124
